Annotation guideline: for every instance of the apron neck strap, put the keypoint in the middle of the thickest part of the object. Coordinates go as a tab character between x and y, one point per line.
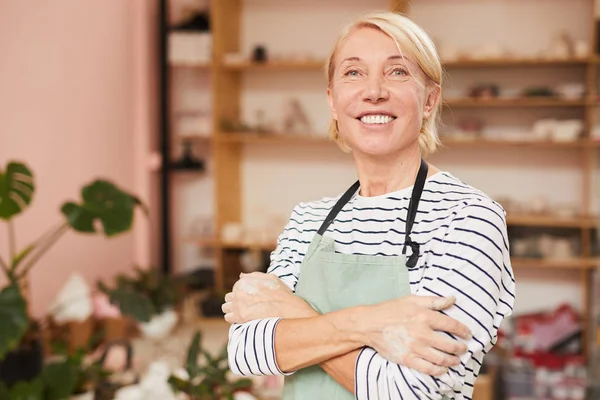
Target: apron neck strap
338	207
411	216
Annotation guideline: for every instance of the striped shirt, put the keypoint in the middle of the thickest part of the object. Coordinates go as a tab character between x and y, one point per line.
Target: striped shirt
463	252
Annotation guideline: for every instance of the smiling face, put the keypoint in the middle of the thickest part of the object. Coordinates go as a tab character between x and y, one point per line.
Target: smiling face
378	95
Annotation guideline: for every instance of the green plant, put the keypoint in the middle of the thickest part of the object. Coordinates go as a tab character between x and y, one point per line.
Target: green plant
207	381
101	201
59	380
147	293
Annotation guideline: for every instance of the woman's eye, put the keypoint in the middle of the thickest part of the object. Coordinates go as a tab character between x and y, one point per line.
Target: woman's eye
351	72
398	71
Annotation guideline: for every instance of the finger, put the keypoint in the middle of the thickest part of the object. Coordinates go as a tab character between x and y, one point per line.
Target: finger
228	297
229	317
227	307
435	356
415	362
441	322
435	302
445	344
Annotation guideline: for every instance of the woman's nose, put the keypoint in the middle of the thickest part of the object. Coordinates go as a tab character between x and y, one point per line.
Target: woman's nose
375	90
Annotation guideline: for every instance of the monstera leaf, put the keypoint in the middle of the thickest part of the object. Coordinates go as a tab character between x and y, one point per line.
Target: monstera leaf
13	314
130	302
105	202
16	189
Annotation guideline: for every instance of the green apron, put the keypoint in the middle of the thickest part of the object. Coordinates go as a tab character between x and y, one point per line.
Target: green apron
330	281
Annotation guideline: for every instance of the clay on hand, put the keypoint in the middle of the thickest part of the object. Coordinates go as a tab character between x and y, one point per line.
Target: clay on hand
406	331
258	295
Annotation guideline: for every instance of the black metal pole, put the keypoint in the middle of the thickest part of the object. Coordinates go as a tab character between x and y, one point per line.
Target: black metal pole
165	185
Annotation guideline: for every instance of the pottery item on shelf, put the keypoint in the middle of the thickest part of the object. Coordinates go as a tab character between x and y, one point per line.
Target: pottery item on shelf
510	93
160	325
520	247
567	131
562	249
232	232
562	46
581	49
571	91
295	120
485	91
545	245
259	54
543	128
188	161
538	205
251	261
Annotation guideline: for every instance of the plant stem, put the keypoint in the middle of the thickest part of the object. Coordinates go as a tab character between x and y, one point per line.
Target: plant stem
12	245
4	267
51	239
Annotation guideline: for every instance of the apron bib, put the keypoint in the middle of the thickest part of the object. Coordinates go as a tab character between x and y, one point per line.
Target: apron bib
330	281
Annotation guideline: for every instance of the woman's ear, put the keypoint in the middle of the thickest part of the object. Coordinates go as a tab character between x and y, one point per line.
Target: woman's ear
330	101
433	97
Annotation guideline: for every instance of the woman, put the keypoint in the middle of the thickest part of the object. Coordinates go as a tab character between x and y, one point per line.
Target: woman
395	289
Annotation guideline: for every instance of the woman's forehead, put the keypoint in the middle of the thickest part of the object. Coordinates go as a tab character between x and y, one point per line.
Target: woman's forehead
367	43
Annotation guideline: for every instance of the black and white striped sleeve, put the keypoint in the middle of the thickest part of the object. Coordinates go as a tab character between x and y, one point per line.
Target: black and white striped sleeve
251	346
471	263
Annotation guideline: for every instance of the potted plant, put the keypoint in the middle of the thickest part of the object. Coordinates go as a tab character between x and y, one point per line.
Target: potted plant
149	297
101	201
207	379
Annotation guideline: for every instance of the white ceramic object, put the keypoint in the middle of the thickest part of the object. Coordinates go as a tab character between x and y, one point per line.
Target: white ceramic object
232	232
73	302
160	325
562	249
543	128
567	131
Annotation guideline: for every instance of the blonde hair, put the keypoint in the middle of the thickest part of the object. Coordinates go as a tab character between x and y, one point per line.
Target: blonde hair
418	44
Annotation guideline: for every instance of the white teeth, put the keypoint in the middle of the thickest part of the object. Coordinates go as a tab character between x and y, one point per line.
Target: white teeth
376	119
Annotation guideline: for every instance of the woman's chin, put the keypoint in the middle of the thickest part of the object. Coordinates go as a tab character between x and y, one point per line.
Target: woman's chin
374	149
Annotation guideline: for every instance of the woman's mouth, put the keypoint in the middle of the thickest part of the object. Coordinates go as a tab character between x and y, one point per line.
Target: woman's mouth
376	119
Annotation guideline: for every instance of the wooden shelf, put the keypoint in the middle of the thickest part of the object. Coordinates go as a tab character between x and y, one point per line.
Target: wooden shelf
265	138
252	137
575	263
550	221
280	65
517	62
452	142
516	102
248	246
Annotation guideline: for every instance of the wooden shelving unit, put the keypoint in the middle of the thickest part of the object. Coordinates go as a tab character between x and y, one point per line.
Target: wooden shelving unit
227	147
517	102
517	62
281	65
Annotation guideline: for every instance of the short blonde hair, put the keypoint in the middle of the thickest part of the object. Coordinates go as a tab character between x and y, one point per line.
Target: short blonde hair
418	44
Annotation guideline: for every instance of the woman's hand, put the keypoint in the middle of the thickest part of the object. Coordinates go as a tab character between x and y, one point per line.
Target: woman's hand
404	331
258	295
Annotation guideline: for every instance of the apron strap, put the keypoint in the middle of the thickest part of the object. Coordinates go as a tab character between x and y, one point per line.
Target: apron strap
338	207
412	214
410	220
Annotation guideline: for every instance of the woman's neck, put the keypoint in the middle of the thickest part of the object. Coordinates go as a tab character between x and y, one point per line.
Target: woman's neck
381	175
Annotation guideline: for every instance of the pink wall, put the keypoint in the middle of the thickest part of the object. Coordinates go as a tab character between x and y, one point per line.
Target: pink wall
74	105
